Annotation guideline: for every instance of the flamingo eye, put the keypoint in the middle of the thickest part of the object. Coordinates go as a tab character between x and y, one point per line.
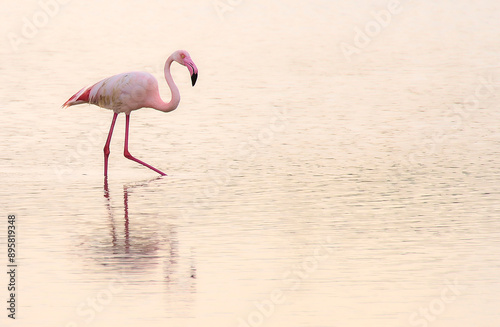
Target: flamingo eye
183	56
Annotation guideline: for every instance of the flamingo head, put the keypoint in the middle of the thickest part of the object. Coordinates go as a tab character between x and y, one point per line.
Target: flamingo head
183	58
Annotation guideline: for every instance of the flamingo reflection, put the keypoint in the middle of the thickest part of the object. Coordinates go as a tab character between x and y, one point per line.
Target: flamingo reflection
145	243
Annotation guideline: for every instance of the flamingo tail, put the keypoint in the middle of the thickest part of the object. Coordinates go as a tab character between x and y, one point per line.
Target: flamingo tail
81	96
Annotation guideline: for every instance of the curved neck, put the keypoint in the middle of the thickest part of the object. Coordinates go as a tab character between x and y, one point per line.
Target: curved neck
176	97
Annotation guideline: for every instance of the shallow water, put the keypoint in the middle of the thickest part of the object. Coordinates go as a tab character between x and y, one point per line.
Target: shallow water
305	187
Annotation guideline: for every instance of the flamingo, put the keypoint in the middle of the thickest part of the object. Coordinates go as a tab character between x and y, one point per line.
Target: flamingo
127	92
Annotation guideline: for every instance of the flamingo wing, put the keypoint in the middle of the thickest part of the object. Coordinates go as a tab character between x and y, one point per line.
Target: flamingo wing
121	93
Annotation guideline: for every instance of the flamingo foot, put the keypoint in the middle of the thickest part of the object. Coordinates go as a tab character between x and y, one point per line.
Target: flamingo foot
129	156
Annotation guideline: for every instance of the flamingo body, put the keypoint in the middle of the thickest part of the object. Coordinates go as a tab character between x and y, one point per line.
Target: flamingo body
126	92
121	93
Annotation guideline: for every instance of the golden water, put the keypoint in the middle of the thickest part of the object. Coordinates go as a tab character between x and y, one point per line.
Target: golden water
308	185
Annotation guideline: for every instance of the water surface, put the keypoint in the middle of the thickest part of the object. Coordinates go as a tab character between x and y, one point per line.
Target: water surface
305	187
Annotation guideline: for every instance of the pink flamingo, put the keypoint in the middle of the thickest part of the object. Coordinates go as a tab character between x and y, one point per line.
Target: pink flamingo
131	91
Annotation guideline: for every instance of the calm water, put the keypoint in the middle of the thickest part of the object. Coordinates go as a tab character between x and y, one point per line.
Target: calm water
337	164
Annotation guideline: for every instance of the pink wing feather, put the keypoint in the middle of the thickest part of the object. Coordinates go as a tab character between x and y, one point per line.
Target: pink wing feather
81	96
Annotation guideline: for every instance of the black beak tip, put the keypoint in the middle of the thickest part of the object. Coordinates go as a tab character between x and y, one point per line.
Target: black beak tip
194	77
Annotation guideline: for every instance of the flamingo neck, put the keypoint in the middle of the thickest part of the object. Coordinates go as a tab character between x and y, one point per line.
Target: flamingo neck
176	96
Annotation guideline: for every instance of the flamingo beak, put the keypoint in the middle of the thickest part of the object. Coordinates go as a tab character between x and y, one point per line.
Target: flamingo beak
193	70
194	77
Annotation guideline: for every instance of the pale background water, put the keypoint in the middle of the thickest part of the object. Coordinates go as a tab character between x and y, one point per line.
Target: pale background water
305	187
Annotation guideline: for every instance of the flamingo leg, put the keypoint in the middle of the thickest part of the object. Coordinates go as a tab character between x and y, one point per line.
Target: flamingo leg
106	146
129	156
